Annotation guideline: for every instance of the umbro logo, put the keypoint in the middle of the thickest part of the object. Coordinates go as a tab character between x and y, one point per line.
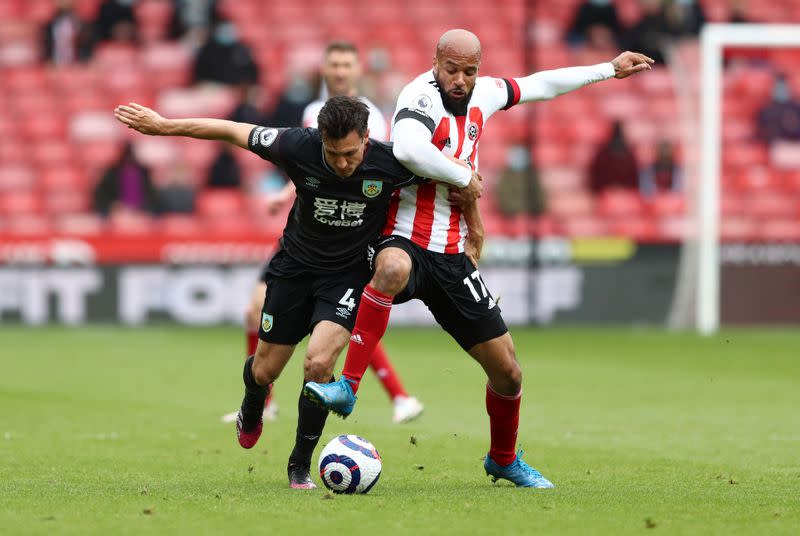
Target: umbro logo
356	338
312	182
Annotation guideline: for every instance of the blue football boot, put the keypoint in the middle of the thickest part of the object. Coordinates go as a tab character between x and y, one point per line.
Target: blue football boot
518	472
336	396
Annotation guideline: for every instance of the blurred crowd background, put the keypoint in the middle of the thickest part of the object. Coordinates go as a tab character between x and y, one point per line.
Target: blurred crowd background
615	159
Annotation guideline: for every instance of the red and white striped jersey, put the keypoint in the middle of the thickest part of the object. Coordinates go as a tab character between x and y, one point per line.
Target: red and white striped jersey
422	213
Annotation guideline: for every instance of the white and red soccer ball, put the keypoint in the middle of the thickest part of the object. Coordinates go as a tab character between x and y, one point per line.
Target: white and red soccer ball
349	464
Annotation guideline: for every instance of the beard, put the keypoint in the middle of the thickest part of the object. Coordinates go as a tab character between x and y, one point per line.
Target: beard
456	106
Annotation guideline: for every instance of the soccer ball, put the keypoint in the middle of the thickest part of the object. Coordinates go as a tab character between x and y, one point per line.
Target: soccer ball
349	464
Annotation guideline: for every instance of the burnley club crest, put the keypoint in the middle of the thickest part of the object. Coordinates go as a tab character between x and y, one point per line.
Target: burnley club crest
371	188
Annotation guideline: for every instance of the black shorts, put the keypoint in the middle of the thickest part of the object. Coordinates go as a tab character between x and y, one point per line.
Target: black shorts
452	289
296	299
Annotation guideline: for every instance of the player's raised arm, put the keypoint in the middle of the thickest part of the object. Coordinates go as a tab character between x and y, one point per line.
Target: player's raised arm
149	122
549	84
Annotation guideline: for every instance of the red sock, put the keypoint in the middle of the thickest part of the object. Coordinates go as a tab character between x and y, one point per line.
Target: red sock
371	322
503	424
386	374
252	342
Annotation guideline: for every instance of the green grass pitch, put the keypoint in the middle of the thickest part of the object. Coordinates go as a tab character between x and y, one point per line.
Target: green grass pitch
116	431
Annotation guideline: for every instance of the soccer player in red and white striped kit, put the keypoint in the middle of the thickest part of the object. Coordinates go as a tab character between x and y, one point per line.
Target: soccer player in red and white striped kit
427	253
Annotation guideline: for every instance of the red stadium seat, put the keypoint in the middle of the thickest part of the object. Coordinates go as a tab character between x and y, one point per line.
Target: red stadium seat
21	203
180	225
89	126
85	224
781	230
63	178
667	204
51	154
644	229
737	228
67	202
30	224
771	205
618	203
130	222
16	177
220	203
584	226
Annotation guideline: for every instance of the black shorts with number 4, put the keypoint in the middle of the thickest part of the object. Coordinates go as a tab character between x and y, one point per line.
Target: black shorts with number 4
453	290
297	300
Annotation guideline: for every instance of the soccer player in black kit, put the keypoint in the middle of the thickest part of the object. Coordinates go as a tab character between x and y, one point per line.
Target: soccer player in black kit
344	183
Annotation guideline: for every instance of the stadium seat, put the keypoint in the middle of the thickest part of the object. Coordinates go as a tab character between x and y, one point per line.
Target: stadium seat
89	126
737	228
637	228
29	225
21	202
63	178
67	202
770	204
667	204
223	202
16	177
85	224
180	225
584	226
618	203
780	230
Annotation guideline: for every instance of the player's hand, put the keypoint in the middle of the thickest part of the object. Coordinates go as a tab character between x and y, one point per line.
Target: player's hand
465	196
473	190
629	63
141	118
473	247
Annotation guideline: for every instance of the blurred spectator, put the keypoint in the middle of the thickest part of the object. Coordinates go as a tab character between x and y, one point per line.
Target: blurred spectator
116	21
518	190
177	195
650	34
684	17
225	59
738	12
224	172
288	112
126	184
67	38
614	164
596	24
247	110
193	18
780	118
664	175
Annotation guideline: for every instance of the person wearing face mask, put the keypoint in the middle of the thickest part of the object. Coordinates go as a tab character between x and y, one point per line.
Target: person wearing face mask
224	59
116	21
518	189
779	119
593	19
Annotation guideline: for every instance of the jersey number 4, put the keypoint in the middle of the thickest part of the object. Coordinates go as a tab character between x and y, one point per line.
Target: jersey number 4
471	286
347	301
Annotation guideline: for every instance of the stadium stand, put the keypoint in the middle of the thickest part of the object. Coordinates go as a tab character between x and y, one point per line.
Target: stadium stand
57	131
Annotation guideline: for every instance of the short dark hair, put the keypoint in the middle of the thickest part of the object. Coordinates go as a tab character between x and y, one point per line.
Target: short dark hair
342	115
341	46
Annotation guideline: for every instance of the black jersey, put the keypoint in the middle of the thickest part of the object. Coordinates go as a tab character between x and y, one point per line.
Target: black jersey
333	219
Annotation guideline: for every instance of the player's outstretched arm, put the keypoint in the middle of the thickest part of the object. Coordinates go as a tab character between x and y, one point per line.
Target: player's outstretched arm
147	121
546	85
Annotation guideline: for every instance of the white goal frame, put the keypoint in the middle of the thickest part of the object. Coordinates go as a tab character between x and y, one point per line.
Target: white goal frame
713	38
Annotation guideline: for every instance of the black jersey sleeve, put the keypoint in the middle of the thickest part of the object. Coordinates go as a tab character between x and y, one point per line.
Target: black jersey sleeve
266	142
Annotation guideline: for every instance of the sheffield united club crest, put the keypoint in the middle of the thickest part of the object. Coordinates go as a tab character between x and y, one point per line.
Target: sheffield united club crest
371	188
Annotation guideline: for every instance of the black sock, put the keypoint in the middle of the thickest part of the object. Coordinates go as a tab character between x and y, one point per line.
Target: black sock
310	423
254	396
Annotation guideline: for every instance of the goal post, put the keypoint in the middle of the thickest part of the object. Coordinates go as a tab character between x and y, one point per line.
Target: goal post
713	39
